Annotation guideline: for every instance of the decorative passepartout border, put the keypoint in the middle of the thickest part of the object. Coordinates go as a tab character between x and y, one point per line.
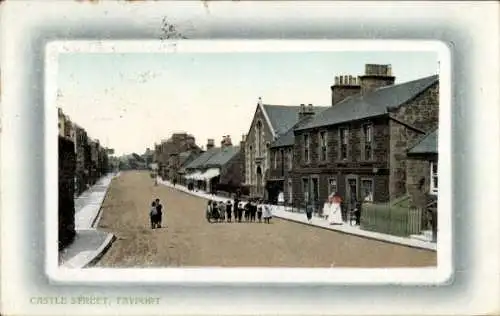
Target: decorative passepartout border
429	275
469	28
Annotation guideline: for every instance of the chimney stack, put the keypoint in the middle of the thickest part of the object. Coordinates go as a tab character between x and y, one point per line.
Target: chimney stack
210	144
242	142
344	87
226	141
306	111
376	76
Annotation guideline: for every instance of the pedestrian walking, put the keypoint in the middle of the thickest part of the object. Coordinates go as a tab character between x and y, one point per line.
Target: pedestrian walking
159	209
266	213
222	211
259	211
240	211
209	209
248	206
334	210
228	211
309	211
253	210
235	208
153	215
215	211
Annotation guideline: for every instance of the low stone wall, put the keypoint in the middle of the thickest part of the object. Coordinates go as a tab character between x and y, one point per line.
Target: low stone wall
66	192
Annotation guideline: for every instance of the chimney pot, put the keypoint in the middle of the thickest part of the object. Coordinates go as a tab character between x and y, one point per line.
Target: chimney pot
336	80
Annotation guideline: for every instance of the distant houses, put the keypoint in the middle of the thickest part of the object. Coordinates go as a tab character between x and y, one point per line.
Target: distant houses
217	169
167	154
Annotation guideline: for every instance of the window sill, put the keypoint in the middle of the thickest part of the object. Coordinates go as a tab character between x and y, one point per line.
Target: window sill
367	160
433	192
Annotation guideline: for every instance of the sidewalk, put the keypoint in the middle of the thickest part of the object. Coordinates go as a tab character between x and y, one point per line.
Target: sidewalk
280	212
89	243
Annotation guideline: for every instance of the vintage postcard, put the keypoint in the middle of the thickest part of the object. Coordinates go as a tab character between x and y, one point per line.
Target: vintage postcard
247	157
250	154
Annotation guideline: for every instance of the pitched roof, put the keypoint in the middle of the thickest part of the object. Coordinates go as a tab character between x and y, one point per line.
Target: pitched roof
200	160
224	155
288	138
214	157
284	117
427	145
186	157
371	104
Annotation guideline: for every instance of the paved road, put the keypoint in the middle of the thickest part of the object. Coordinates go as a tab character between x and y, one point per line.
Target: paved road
189	240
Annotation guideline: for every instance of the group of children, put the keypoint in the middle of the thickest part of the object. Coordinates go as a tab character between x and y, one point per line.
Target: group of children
250	211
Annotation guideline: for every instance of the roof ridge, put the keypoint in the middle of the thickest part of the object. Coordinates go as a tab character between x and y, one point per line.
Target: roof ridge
373	103
404	83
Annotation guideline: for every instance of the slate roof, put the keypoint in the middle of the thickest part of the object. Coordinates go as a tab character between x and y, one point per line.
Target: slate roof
200	160
288	138
185	158
371	104
427	145
223	156
284	117
214	157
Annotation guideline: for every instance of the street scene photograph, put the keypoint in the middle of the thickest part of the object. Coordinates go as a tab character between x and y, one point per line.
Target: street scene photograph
313	159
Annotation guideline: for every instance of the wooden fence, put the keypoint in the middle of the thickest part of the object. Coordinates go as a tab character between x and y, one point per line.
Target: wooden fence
394	219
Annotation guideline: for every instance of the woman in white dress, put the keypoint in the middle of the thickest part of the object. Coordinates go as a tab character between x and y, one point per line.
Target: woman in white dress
335	212
266	212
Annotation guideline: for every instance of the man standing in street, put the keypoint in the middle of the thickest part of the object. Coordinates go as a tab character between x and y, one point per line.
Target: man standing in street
159	208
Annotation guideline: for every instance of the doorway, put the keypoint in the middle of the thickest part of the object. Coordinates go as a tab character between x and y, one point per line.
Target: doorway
259	181
351	198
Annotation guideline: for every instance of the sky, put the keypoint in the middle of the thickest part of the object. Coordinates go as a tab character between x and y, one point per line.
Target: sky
130	101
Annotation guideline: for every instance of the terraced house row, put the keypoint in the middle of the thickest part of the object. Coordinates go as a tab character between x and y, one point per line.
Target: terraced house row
216	169
365	146
82	161
91	159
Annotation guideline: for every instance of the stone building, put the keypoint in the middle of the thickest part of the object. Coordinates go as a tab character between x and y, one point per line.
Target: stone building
185	158
80	139
65	125
281	166
268	124
91	160
217	169
422	177
176	144
94	161
358	146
